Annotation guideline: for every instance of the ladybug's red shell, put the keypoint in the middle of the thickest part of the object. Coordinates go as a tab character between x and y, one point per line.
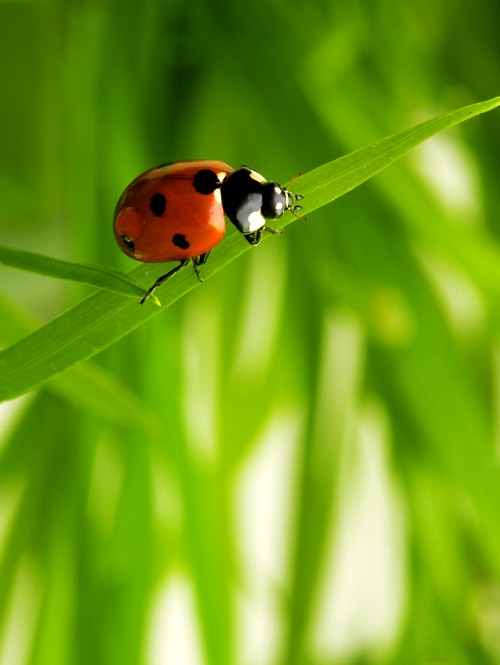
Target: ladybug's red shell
172	212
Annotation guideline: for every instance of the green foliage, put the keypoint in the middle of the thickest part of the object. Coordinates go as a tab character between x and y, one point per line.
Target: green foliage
105	278
85	330
297	460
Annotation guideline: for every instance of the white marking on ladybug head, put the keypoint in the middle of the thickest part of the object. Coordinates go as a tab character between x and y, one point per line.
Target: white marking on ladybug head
218	195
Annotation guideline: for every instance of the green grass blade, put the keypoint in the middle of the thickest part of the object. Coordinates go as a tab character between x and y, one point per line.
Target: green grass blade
103	278
105	317
89	387
330	181
79	333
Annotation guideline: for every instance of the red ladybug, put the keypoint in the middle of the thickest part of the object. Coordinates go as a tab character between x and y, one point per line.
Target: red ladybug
175	212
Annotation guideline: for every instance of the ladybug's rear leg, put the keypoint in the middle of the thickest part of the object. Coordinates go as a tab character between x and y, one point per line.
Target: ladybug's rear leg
162	279
197	261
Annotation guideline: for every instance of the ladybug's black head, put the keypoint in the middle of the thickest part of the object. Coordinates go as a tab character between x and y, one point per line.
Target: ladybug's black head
276	200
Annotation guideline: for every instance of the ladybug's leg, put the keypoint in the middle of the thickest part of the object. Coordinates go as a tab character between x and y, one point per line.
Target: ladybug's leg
200	261
255	237
162	279
275	232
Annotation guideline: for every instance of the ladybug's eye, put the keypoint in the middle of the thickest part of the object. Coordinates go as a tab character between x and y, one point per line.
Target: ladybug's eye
274	200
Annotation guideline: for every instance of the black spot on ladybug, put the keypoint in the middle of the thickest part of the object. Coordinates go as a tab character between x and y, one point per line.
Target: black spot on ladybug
157	204
180	240
206	181
129	244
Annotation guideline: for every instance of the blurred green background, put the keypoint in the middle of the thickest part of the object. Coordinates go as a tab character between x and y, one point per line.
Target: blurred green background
314	479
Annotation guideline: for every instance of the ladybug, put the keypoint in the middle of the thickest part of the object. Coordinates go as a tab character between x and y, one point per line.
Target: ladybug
175	212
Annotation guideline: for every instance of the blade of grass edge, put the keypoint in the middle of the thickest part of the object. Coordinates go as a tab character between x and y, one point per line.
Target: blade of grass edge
104	317
101	277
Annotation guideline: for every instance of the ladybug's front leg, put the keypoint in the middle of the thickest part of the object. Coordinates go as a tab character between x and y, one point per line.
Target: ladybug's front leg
274	232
